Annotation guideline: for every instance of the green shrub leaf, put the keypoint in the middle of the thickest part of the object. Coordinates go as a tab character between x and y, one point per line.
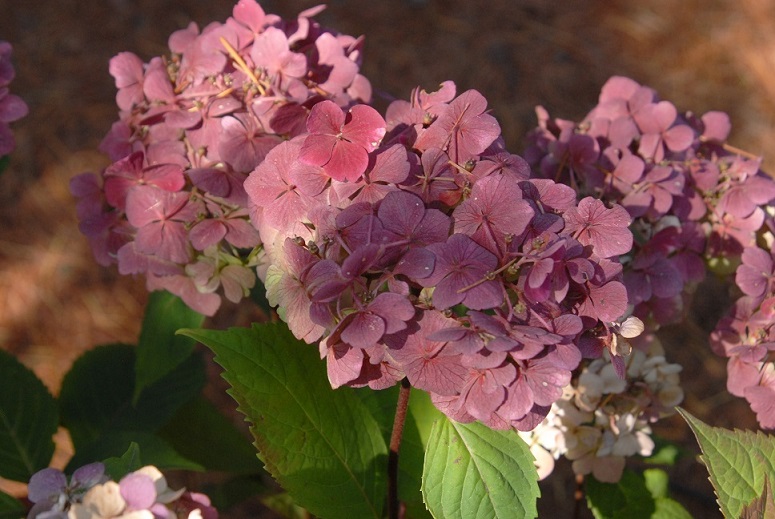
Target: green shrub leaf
419	420
203	434
116	467
153	451
738	463
284	505
472	471
10	507
322	445
630	498
159	349
635	496
96	394
28	420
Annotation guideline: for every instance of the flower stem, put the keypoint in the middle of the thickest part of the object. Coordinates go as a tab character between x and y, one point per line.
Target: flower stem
395	444
578	496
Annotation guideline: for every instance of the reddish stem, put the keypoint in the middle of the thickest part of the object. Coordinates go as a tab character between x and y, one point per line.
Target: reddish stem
395	444
578	496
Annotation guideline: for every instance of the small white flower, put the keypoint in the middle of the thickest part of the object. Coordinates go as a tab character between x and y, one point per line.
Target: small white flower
101	501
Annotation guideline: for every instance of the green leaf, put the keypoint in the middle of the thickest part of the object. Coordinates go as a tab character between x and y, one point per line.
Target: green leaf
472	471
657	482
153	451
323	446
419	422
28	420
630	498
159	350
118	467
636	496
203	434
10	507
236	490
96	394
738	463
4	161
667	508
258	296
425	414
284	505
97	387
665	452
419	419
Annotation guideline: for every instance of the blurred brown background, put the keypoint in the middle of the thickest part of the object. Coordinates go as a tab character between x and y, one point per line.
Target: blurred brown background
56	302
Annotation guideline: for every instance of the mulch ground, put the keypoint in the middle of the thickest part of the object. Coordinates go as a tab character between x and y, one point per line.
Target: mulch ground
56	302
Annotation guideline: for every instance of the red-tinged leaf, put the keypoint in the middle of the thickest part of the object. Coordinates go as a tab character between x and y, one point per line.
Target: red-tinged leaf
763	507
740	464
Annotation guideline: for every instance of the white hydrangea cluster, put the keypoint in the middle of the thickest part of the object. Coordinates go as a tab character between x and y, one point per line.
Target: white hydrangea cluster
601	419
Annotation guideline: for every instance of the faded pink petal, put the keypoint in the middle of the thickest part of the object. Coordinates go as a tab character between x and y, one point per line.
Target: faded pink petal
607	230
250	14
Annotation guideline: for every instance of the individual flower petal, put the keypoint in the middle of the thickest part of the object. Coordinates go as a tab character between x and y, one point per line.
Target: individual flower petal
138	491
460	275
46	483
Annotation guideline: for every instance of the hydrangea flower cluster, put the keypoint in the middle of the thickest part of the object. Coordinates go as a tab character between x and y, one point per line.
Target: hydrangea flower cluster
416	246
602	419
12	108
90	494
694	200
692	196
192	125
746	336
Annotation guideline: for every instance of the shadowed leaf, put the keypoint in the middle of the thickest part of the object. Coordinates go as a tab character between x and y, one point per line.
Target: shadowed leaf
28	420
323	446
10	507
159	349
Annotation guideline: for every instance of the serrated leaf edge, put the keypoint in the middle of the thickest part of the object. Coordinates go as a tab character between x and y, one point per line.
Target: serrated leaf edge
713	477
